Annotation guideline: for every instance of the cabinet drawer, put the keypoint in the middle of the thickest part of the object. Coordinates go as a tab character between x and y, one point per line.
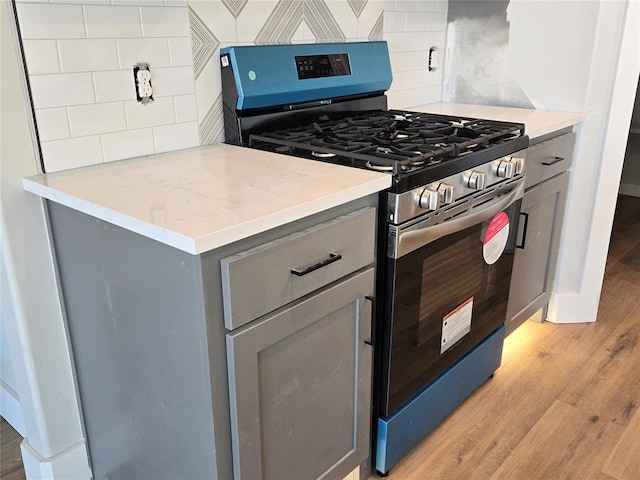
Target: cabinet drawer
264	278
548	159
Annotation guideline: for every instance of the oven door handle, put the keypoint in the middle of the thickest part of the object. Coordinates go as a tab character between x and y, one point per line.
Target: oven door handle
410	240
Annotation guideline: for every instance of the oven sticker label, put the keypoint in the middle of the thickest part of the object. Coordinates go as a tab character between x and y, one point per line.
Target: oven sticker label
456	325
495	240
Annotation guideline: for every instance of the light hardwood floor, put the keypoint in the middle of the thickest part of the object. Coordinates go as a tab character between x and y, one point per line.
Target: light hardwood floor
563	405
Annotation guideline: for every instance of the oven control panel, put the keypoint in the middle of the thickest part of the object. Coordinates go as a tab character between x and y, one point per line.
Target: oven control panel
319	66
443	193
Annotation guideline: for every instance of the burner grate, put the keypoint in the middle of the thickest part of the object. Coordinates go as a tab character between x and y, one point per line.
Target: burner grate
389	140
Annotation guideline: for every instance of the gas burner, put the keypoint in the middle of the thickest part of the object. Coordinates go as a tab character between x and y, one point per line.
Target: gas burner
379	168
323	154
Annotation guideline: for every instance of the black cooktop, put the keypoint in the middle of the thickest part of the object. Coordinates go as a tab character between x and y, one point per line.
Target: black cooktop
414	147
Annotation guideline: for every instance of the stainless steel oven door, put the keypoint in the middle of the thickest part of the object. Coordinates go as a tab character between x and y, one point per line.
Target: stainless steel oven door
448	278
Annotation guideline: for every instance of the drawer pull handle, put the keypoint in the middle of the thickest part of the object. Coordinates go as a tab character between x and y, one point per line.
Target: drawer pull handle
553	161
333	257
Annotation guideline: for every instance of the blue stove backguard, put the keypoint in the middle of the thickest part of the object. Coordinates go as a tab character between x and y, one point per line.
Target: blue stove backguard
273	75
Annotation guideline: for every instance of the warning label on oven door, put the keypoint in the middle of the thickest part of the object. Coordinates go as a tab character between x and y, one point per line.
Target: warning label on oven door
456	325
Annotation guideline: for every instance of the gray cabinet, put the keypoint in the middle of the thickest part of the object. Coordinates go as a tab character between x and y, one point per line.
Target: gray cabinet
300	387
300	376
148	338
542	215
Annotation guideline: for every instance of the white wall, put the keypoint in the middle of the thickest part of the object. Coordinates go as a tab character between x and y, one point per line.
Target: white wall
32	326
563	55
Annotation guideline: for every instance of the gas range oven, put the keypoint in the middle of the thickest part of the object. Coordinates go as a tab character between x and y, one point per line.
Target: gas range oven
448	226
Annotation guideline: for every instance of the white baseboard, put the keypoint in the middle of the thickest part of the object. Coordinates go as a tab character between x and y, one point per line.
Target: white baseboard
630	189
71	464
565	308
10	408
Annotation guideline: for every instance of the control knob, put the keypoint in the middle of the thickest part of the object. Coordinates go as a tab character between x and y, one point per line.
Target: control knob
519	165
474	180
504	168
445	193
428	199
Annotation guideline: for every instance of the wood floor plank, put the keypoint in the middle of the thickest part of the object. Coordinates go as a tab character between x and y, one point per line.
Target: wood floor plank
624	461
608	384
565	444
11	467
626	229
478	437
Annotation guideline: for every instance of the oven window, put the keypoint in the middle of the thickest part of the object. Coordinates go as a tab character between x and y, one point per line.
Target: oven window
448	280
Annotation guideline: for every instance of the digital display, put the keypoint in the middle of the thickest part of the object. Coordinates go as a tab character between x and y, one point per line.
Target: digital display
318	66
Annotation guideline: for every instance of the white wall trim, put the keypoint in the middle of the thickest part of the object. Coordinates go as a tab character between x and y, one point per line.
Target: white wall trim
70	464
630	189
615	139
564	308
10	408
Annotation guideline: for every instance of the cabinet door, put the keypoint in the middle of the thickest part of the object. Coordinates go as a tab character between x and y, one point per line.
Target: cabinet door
534	264
300	387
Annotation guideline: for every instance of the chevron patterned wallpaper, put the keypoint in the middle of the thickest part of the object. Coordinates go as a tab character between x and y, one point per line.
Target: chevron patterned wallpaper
219	23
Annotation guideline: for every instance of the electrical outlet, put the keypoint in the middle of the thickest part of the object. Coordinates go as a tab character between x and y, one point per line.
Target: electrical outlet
142	78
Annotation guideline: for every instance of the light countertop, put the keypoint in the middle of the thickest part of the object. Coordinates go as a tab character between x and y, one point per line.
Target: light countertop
206	197
536	122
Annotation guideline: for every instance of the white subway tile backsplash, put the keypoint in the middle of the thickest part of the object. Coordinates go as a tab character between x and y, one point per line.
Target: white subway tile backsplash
402	80
186	108
395	21
176	136
88	55
172	81
426	40
426	6
143	3
436	22
416	21
442	5
389	5
58	90
41	56
48	21
176	3
425	78
112	21
416	60
96	118
180	51
400	41
83	2
53	124
155	51
164	22
114	85
71	153
159	112
127	144
407	5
